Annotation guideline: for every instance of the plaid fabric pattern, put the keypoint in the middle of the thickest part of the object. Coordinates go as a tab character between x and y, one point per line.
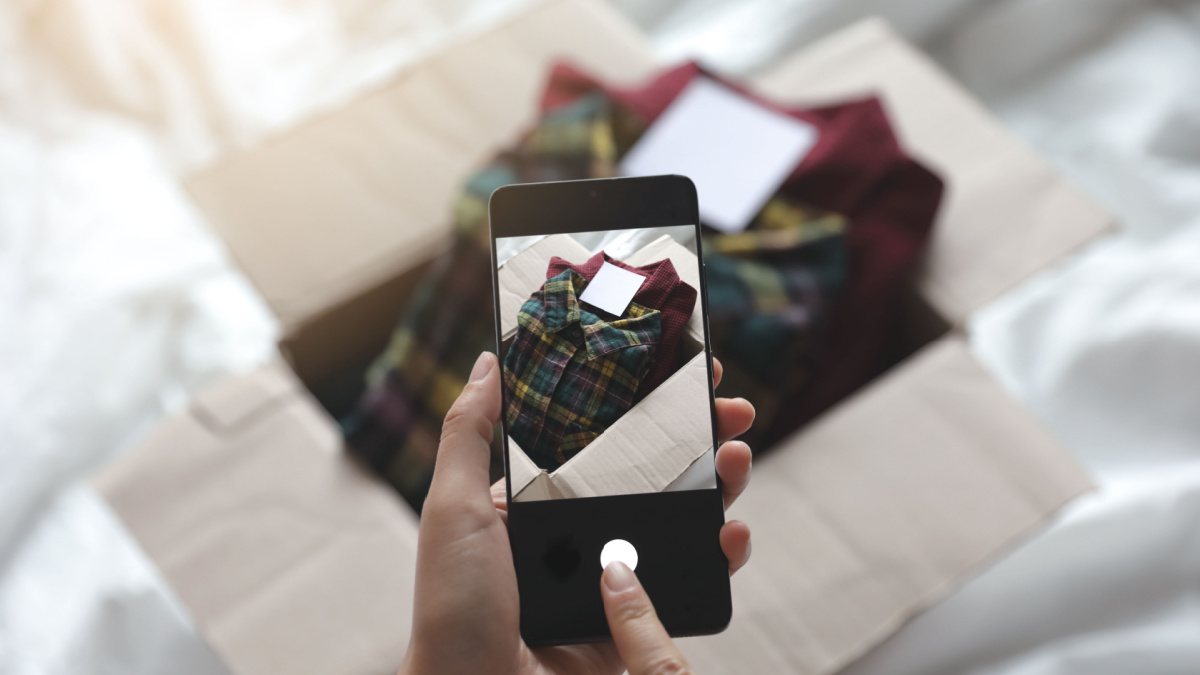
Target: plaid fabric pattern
396	426
769	291
759	291
663	290
569	373
858	169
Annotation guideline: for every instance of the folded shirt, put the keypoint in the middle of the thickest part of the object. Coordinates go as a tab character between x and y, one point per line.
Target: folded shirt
663	290
857	169
769	292
569	373
397	423
449	318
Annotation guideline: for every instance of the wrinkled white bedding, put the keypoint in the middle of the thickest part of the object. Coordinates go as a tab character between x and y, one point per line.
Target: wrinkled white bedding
116	302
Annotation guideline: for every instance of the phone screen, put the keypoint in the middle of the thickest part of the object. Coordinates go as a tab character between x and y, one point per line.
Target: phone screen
607	408
605	374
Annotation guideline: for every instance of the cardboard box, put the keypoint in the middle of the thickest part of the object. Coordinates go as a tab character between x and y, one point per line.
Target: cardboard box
291	559
673	419
902	491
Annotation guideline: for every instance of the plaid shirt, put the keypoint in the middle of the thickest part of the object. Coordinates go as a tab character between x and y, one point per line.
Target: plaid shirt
769	290
397	422
663	290
569	373
857	168
843	332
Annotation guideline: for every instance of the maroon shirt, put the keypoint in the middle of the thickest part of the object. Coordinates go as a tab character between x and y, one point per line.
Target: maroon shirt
858	169
663	290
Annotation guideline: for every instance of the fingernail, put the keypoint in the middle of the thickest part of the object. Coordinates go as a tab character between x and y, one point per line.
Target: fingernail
483	365
618	577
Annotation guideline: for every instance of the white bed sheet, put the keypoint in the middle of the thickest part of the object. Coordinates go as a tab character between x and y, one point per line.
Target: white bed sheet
116	302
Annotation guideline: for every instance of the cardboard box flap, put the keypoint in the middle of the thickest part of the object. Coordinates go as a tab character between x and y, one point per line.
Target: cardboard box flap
1006	213
269	566
235	401
881	508
672	423
345	201
521	470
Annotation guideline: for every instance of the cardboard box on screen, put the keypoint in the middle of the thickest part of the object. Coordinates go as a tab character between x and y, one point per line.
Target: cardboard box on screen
289	558
653	444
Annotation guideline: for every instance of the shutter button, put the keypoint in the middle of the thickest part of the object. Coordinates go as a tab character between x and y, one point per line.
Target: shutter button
619	549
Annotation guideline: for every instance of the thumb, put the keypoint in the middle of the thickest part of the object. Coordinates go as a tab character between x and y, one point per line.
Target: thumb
643	643
460	474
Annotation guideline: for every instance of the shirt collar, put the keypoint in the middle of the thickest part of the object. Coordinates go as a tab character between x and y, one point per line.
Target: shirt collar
661	278
560	298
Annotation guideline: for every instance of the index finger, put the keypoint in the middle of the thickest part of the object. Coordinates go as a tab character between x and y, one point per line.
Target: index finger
641	640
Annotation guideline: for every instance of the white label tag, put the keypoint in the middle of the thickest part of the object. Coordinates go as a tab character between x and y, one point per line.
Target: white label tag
612	289
736	151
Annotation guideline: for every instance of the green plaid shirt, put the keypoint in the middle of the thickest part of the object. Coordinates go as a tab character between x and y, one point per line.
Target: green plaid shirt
769	289
570	373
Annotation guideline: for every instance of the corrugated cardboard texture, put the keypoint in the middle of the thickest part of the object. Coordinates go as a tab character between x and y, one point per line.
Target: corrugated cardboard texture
644	451
290	558
1006	214
648	448
673	421
881	508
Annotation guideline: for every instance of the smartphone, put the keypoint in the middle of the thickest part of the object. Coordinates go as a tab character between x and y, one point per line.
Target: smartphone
609	418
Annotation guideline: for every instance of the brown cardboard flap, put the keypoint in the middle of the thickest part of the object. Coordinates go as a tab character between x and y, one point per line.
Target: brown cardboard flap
230	403
881	508
651	445
273	538
1006	213
673	422
350	199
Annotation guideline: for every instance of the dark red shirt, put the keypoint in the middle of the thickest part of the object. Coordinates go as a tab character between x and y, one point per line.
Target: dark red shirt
858	169
663	290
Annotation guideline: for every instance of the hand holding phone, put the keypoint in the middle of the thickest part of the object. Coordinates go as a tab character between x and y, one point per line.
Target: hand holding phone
609	413
466	611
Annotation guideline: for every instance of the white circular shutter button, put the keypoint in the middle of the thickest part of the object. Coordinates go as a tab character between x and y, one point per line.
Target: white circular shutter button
619	549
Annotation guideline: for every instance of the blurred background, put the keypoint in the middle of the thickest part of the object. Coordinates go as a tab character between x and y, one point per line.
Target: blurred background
117	303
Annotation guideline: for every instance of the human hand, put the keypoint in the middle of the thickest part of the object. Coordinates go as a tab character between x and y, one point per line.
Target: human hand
466	610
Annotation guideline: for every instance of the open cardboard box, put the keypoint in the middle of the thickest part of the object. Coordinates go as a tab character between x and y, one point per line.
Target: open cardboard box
292	559
673	421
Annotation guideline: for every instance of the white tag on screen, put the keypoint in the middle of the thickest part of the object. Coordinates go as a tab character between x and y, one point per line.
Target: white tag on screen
612	289
736	151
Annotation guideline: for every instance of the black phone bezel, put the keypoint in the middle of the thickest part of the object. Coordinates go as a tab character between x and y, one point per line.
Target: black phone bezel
681	564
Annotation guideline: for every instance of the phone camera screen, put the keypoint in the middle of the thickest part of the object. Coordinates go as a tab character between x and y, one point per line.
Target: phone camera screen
605	373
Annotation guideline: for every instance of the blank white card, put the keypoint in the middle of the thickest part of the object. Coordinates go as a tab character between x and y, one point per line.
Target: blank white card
612	289
736	151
